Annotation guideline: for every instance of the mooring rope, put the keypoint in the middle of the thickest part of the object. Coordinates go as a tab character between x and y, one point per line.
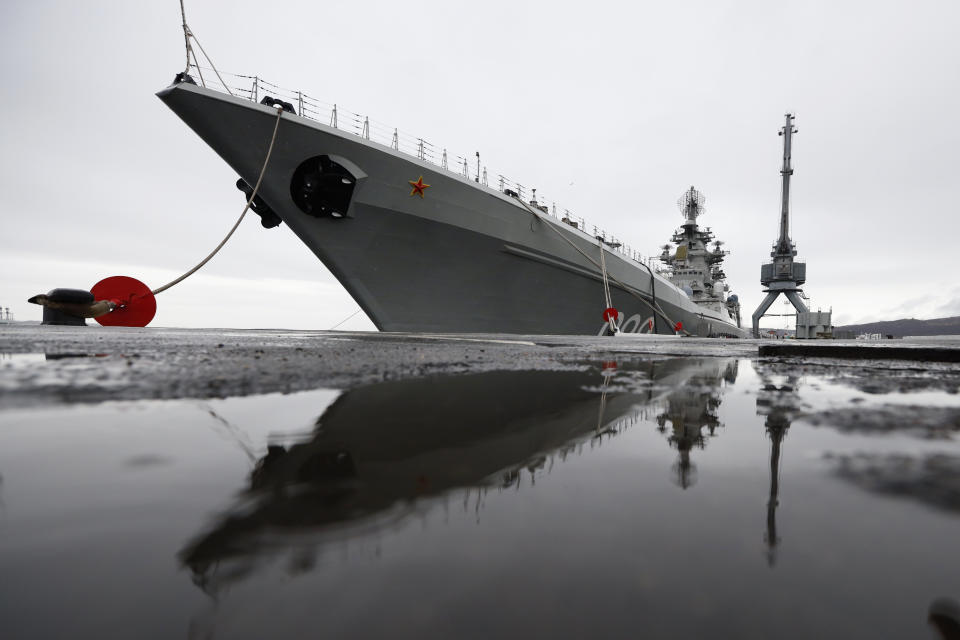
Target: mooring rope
253	194
345	319
655	306
612	320
603	401
606	283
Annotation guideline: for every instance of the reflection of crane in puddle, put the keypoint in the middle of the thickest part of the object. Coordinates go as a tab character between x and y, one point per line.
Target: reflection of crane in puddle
779	403
691	407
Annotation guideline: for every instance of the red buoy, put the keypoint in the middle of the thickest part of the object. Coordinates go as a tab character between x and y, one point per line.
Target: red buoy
610	313
136	305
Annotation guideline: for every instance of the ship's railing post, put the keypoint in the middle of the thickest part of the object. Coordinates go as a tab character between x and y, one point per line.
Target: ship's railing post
485	177
300	102
443	160
333	116
255	91
395	143
366	128
501	183
420	148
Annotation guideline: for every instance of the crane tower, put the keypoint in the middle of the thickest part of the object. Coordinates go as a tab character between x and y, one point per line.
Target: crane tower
783	275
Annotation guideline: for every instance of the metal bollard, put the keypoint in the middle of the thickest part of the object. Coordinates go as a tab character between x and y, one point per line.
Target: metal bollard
55	316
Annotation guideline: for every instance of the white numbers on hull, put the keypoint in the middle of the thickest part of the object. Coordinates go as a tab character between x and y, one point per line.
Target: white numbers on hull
633	324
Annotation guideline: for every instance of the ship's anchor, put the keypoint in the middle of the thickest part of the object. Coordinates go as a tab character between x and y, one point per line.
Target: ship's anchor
121	301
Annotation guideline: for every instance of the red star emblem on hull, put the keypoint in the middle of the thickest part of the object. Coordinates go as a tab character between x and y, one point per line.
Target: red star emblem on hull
418	186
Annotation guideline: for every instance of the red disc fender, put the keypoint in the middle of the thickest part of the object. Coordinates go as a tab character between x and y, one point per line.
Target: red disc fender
135	302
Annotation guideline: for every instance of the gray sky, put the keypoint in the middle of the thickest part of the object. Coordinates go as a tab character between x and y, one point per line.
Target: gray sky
612	109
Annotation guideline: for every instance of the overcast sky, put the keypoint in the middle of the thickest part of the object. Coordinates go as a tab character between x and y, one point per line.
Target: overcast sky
611	109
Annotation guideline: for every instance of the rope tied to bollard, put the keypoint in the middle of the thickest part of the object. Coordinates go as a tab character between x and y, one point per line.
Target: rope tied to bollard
127	302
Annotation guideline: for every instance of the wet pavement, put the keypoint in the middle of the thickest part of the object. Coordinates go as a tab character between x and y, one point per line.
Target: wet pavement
245	484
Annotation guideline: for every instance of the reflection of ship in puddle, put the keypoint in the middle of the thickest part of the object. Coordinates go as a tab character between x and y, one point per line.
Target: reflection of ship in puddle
690	409
378	449
780	405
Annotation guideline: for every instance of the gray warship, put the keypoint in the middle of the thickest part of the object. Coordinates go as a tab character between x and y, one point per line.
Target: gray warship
424	248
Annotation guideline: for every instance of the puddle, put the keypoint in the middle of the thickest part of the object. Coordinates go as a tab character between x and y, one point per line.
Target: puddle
14	359
20	359
666	497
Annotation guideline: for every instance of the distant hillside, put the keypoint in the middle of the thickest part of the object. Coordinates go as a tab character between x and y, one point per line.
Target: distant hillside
908	327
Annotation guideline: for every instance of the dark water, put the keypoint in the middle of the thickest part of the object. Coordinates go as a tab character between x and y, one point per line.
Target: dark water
661	499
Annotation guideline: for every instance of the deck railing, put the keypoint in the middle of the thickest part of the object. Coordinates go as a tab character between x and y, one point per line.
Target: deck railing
255	88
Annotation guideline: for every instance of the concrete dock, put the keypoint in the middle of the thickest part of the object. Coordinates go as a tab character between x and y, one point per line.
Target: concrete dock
74	364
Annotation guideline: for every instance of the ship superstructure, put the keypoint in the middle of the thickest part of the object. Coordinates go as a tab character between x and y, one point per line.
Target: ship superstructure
695	267
784	275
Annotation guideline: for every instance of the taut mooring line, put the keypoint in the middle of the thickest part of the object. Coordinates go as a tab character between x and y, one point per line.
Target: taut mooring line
253	194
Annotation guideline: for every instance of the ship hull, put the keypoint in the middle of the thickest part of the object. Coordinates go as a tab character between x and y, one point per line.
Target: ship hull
464	258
